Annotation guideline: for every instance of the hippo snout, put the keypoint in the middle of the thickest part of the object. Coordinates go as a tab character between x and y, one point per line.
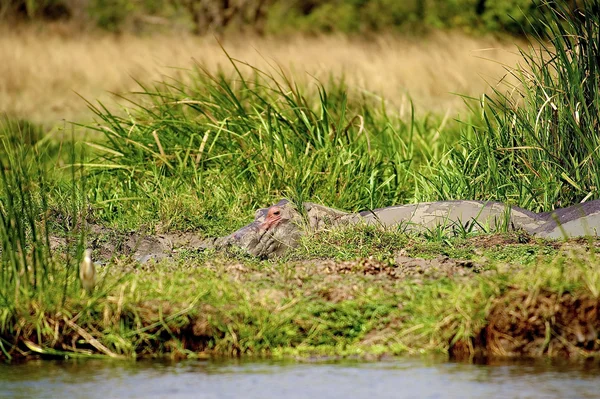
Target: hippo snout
273	231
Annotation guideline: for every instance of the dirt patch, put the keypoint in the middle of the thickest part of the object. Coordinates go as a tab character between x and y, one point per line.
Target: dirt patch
141	247
582	244
402	267
485	241
364	266
538	324
440	267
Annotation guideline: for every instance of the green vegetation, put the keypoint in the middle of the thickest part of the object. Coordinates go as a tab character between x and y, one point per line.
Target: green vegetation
201	152
233	141
544	130
284	16
31	274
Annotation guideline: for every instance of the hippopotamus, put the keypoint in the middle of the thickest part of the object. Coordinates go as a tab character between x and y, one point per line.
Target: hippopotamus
279	227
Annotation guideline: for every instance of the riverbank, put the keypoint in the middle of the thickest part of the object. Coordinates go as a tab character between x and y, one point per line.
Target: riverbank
360	292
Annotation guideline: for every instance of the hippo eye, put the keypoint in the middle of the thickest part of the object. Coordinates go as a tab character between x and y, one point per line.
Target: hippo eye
277	213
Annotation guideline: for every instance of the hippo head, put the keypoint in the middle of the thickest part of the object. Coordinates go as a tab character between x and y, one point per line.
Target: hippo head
275	229
279	227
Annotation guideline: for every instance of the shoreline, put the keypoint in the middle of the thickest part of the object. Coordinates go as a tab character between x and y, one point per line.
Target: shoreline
458	300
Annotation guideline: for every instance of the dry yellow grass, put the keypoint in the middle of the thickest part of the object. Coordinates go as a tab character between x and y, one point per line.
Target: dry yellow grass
40	72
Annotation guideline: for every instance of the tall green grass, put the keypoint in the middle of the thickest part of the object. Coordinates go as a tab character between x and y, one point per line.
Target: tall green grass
241	140
219	145
34	279
24	247
537	143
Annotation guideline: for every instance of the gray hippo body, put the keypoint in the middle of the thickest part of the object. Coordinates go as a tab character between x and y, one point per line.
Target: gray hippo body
279	227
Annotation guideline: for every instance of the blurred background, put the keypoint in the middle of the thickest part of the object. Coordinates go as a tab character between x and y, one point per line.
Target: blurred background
274	17
425	51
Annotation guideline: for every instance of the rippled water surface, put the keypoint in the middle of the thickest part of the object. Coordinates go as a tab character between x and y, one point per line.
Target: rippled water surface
410	378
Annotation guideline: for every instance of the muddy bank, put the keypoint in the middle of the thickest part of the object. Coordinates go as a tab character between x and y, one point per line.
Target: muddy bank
537	324
519	325
140	246
400	267
180	304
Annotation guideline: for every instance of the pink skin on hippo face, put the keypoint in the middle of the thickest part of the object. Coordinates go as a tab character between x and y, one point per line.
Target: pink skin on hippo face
274	217
273	231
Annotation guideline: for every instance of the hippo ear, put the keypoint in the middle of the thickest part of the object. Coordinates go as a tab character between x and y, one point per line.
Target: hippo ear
261	214
282	203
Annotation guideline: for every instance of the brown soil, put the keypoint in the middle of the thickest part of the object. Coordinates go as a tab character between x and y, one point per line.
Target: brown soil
107	243
500	239
534	324
402	267
147	249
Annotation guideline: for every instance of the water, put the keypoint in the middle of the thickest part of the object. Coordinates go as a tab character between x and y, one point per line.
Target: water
408	378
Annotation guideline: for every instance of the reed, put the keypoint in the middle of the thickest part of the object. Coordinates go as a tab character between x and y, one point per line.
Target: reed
34	278
231	139
536	144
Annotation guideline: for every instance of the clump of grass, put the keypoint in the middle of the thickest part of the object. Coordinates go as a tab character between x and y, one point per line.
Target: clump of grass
350	243
34	280
537	145
234	142
24	237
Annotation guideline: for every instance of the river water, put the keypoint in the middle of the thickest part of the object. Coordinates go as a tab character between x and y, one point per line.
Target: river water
397	378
